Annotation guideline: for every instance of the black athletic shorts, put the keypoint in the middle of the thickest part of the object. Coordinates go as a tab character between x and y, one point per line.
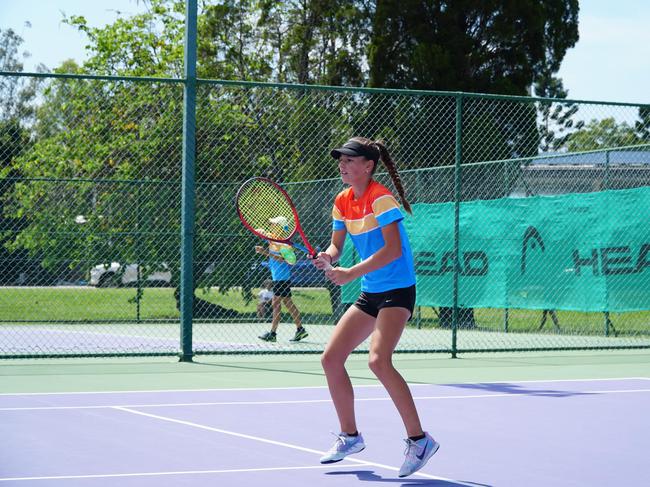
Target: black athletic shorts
371	303
282	289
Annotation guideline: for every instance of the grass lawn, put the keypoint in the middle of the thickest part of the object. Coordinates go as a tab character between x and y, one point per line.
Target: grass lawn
120	304
115	304
529	320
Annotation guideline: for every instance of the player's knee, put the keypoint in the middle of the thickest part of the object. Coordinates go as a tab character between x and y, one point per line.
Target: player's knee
379	365
331	361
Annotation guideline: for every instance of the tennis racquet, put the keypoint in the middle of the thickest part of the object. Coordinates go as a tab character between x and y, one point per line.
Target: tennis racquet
268	212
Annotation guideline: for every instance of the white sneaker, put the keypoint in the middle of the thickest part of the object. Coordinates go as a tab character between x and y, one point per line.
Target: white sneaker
345	445
418	454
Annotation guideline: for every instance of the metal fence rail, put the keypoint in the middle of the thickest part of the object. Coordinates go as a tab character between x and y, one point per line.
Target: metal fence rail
91	214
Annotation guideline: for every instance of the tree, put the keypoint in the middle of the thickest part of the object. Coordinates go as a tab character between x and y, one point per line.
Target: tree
117	143
600	134
16	113
316	41
229	45
556	117
484	46
107	151
474	46
146	44
642	125
111	152
479	46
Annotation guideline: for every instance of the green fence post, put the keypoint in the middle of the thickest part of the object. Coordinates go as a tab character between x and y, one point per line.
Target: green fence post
138	260
606	187
606	179
457	183
189	186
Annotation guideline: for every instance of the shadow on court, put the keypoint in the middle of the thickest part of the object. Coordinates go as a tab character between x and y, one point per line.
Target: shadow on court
272	369
516	389
288	370
370	476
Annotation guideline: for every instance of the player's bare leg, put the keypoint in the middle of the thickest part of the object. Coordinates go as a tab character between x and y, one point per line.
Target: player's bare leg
352	329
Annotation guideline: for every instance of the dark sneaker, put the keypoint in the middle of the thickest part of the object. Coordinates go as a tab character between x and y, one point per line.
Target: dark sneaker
269	336
300	334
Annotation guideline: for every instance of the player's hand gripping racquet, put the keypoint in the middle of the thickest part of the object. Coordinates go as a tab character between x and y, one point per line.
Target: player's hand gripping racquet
267	210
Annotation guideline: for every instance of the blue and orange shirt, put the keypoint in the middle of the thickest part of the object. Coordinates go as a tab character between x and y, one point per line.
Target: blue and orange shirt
280	271
363	219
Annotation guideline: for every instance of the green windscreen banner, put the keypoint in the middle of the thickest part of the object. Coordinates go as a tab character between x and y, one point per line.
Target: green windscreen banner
583	252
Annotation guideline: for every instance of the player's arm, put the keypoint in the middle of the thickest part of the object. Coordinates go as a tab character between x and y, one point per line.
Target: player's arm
336	246
332	254
324	260
262	251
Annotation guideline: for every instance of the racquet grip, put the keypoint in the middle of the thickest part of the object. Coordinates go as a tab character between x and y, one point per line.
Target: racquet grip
306	251
303	248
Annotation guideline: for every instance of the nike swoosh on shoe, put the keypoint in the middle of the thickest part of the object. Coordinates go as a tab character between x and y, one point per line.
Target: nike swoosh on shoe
420	457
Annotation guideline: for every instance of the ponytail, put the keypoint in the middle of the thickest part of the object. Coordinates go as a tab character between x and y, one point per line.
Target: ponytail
392	171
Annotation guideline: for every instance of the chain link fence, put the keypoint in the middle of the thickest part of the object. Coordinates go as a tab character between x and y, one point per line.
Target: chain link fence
530	226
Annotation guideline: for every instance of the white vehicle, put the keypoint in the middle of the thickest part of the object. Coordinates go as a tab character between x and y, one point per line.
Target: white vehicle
116	274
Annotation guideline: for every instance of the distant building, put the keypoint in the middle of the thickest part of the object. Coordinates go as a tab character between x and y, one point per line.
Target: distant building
583	173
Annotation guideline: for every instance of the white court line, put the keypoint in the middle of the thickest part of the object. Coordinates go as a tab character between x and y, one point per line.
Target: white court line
286	445
182	472
316	401
355	461
167	391
155	391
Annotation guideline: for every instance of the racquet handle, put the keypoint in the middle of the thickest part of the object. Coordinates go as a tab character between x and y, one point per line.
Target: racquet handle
306	251
301	247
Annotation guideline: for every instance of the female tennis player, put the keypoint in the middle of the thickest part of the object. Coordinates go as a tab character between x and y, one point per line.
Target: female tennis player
371	215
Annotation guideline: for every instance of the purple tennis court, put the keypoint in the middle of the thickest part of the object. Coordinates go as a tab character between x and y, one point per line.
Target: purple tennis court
520	433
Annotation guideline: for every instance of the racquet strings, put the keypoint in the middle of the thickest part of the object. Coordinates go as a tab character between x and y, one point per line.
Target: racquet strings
260	201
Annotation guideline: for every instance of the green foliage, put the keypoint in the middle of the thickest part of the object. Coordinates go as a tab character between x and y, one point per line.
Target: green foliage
111	151
475	46
556	118
14	140
642	126
599	134
229	46
315	41
93	141
147	44
492	46
16	112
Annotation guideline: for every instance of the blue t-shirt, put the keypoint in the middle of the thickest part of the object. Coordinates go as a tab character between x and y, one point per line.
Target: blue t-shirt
280	271
363	219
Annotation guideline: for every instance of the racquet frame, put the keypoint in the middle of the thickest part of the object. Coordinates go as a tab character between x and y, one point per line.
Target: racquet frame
306	248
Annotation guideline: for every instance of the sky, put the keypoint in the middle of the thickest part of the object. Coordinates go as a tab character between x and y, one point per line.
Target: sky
610	62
